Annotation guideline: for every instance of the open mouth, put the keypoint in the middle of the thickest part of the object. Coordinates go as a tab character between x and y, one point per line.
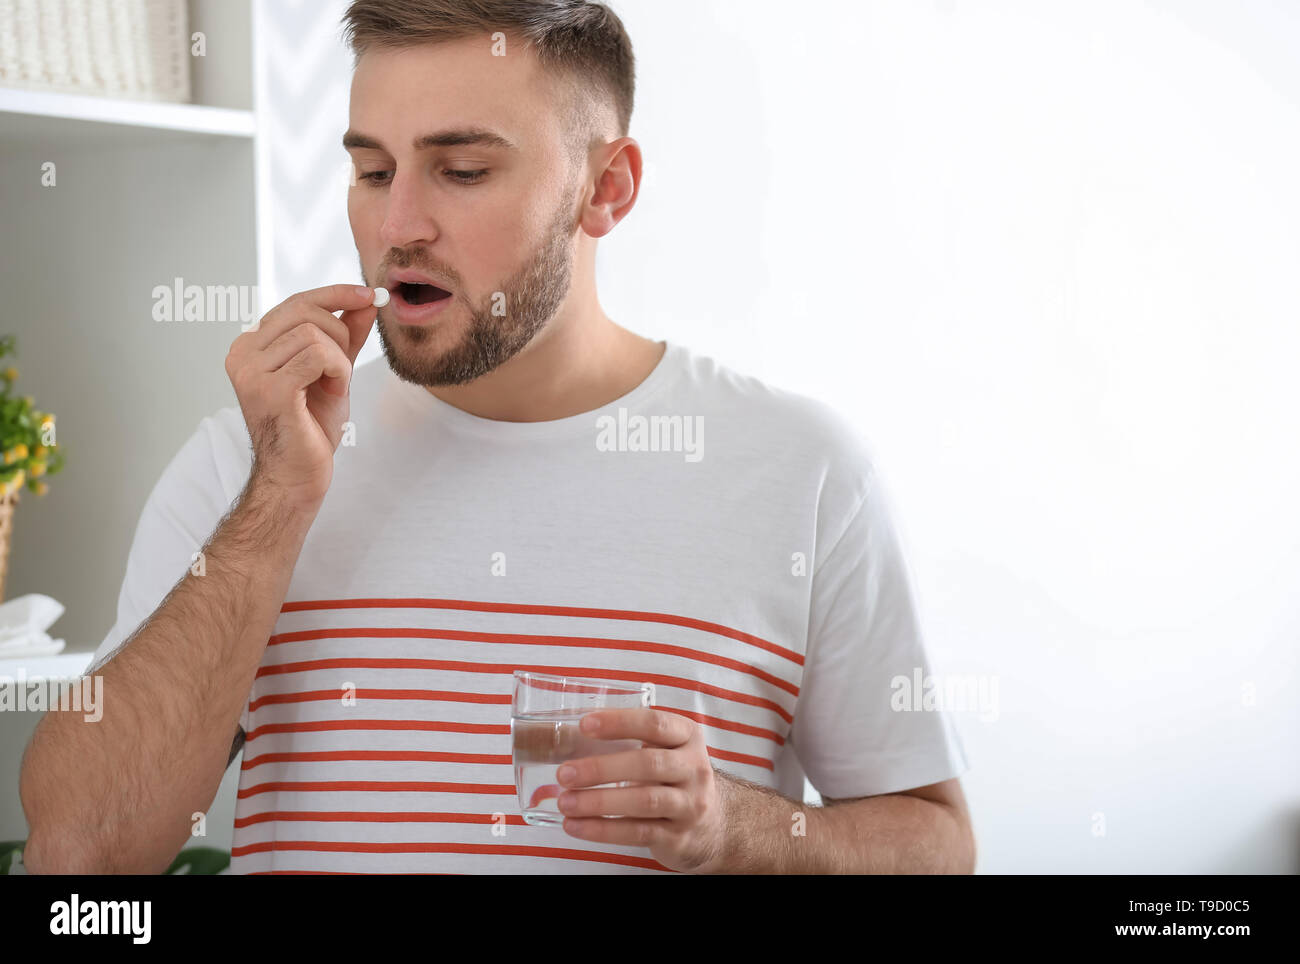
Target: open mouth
419	294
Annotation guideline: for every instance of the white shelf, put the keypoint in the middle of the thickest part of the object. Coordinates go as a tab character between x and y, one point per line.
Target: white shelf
33	115
61	666
146	191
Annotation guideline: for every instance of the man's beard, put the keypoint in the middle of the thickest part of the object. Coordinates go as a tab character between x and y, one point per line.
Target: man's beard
526	302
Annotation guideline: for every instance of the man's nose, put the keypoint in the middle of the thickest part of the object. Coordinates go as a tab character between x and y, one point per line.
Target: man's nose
409	217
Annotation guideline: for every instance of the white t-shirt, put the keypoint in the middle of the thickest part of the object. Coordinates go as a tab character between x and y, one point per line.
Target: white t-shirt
742	558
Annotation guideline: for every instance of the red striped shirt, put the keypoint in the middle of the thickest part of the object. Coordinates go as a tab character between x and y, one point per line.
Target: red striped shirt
415	769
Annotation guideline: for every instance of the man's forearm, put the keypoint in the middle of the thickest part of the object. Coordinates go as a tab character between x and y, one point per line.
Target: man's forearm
116	795
888	834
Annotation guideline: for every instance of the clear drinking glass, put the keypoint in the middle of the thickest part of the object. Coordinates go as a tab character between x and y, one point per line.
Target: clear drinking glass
544	734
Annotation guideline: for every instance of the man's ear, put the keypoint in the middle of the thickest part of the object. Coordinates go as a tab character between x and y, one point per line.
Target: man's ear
615	188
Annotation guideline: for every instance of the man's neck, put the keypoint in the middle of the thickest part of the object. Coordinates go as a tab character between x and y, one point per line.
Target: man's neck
566	370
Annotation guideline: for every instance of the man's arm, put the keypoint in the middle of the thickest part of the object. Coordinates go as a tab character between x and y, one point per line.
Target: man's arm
922	831
116	795
698	819
947	794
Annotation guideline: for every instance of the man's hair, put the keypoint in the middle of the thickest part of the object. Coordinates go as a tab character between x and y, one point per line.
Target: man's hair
582	44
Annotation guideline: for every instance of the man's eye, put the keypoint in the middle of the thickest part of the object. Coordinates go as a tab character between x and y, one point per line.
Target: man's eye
460	177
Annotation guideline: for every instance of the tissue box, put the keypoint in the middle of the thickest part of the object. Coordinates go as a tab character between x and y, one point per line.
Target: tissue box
23	622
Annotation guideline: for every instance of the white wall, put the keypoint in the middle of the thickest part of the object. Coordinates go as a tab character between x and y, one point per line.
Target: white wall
1044	254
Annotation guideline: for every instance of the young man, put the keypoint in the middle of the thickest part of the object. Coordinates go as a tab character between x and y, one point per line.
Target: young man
524	484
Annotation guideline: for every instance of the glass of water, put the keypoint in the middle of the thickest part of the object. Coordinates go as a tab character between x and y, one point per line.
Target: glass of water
544	733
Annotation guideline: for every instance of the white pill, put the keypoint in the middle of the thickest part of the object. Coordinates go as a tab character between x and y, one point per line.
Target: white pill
381	297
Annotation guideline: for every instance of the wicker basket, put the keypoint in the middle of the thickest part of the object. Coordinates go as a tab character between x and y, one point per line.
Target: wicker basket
136	49
7	505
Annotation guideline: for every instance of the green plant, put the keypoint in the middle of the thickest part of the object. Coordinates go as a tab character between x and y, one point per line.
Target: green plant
195	860
200	860
26	434
8	850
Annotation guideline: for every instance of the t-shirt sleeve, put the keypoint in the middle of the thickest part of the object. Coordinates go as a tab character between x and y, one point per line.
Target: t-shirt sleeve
864	639
190	498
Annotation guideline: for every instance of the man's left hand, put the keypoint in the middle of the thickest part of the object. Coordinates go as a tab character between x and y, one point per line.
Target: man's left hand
676	805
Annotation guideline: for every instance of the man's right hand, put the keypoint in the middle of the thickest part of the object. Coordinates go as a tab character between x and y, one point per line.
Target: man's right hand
291	374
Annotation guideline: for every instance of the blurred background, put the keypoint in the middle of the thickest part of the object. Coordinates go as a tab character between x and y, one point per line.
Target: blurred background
1043	254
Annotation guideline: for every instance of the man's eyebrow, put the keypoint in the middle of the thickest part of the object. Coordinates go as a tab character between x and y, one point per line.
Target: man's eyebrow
477	136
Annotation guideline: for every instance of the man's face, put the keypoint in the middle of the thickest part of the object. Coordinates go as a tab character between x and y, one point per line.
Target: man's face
491	223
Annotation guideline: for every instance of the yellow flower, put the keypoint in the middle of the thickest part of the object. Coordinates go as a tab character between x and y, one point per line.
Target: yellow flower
19	479
37	469
41	488
40	452
11	373
19	451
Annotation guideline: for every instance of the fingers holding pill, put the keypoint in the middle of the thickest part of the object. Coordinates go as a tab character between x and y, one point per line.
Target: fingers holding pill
318	306
292	373
359	321
275	328
337	297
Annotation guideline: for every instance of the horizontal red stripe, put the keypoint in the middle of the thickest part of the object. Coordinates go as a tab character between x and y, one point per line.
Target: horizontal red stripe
401	756
721	724
330	696
320	726
756	761
375	786
402	724
379	816
528	639
579	611
509	850
456	666
439	696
